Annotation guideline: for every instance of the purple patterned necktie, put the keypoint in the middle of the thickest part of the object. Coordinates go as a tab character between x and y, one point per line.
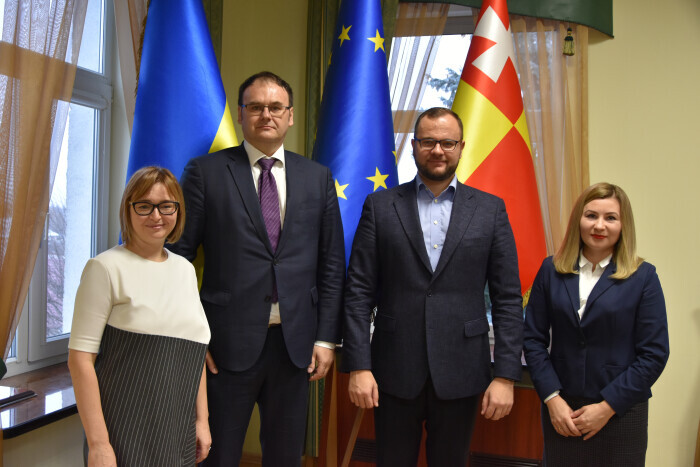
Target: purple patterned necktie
270	206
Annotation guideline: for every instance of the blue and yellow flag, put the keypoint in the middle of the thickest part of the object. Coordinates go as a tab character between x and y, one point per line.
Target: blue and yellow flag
355	135
181	108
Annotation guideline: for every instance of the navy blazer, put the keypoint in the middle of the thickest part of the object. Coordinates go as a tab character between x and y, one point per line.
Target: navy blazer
433	323
223	215
615	352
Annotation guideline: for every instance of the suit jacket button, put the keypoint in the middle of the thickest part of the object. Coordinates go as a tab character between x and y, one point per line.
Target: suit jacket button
430	293
582	343
268	298
275	262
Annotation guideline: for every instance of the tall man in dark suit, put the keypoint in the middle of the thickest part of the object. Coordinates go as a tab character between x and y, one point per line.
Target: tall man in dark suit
274	260
422	254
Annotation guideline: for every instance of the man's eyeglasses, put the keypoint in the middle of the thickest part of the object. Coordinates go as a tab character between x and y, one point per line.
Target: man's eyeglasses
445	144
276	110
165	208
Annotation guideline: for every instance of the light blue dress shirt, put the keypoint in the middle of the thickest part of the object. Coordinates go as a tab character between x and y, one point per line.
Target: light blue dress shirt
434	213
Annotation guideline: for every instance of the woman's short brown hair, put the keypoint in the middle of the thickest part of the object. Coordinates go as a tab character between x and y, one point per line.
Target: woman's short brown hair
139	184
625	250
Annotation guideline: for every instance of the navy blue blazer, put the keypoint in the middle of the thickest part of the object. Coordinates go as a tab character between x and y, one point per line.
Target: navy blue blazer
433	323
223	215
615	352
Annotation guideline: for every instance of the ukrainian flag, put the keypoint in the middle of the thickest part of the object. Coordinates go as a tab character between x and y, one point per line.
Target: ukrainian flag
355	135
181	108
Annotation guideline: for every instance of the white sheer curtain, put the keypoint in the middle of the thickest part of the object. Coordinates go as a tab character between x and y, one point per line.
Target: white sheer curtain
555	93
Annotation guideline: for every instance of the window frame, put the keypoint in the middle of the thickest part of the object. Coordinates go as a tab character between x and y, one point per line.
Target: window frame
94	90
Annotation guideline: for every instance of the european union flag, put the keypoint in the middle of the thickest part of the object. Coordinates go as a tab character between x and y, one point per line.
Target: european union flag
355	135
181	109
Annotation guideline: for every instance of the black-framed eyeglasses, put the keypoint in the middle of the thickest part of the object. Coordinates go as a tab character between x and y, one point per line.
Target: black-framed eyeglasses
165	208
276	110
429	143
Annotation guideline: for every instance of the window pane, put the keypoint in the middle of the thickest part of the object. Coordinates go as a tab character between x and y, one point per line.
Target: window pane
13	348
69	236
92	42
442	77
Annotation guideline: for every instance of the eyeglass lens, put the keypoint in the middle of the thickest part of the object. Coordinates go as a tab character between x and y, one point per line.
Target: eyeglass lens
144	208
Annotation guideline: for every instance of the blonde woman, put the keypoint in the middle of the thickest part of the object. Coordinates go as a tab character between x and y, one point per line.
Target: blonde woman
609	338
139	338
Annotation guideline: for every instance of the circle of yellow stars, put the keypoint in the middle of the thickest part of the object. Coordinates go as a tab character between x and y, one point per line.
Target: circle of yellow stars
379	179
378	40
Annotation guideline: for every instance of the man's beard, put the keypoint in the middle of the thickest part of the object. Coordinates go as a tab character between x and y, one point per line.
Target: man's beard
429	174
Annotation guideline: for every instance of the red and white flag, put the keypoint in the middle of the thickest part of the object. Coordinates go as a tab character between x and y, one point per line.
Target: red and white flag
497	157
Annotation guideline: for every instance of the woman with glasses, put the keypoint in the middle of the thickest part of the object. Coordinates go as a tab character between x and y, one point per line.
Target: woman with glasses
139	338
602	309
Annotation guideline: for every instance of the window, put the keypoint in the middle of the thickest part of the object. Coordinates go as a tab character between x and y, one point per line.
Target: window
76	224
424	73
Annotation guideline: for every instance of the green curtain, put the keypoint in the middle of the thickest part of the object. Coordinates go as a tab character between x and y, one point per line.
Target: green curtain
320	30
593	13
214	11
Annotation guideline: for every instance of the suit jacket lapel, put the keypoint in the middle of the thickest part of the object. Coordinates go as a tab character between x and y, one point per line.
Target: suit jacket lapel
407	210
239	167
571	284
603	284
463	208
295	184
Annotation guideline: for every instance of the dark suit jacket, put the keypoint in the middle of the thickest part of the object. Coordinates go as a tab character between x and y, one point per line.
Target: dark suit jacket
614	352
433	323
223	215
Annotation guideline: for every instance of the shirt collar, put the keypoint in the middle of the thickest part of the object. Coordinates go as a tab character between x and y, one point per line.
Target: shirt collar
254	154
449	191
583	262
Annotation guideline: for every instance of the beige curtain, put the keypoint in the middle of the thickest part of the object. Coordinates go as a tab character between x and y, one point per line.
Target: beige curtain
555	91
416	42
129	21
38	56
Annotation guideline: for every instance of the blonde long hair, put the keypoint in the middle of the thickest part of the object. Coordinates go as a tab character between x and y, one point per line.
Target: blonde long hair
625	250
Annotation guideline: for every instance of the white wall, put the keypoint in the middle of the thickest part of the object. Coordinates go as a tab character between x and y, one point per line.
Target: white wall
644	101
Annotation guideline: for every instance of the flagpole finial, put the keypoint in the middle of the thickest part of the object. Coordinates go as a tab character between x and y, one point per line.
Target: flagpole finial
569	43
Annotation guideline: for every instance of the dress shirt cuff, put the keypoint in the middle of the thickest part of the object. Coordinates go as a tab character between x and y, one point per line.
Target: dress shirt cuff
551	396
328	345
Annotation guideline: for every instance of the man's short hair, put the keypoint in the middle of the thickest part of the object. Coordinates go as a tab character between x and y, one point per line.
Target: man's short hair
437	112
265	76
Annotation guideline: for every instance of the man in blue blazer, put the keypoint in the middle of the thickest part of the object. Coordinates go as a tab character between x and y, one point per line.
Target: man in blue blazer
422	254
273	276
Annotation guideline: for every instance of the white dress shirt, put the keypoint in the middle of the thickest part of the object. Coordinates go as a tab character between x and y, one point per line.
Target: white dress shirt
278	171
280	174
587	278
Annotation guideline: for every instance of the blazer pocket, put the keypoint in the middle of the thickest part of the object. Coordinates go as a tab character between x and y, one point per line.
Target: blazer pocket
476	326
384	323
314	295
216	297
